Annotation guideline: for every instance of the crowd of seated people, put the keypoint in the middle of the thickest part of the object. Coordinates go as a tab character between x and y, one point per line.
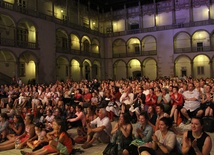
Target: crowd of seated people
93	105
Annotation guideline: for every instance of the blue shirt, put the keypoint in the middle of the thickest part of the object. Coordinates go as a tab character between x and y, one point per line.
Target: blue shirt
147	132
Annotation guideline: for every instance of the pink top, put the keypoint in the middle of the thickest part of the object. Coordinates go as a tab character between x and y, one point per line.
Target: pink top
80	116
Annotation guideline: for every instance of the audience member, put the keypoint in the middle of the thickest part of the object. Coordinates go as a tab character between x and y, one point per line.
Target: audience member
196	141
59	140
143	132
163	141
102	131
191	104
122	132
3	126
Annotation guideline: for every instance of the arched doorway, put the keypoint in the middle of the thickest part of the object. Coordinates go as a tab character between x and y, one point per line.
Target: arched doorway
183	66
87	69
7	66
120	70
75	70
201	66
150	68
27	67
62	69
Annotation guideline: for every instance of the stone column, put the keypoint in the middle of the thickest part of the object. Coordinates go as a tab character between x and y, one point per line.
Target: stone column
155	13
142	68
127	71
209	9
211	68
81	73
69	70
53	9
37	72
18	68
190	11
192	71
173	13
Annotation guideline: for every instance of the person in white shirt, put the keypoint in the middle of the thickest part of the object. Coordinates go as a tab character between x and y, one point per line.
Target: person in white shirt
191	103
126	99
102	131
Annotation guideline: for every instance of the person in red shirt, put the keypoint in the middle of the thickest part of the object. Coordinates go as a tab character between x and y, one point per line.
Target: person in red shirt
176	102
59	141
86	98
151	99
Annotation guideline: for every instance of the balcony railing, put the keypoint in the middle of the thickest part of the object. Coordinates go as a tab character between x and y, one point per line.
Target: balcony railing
193	49
7	42
201	49
25	44
182	50
62	50
18	43
133	54
149	53
77	52
119	55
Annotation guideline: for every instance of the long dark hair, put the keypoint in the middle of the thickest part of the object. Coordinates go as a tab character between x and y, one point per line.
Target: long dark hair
126	118
61	123
5	116
167	121
20	119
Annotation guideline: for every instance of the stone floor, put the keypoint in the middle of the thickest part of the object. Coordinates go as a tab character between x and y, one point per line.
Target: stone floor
97	148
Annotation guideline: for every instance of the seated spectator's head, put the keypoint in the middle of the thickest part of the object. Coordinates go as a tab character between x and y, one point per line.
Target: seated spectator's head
79	108
143	118
3	117
159	108
197	124
29	119
59	124
18	119
165	123
10	105
124	118
102	113
58	112
39	126
191	86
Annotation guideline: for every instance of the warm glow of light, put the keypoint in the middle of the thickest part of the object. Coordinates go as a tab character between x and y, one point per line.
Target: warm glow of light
93	23
61	11
200	58
9	1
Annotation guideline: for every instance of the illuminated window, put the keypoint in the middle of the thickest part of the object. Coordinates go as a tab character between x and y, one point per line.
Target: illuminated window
200	70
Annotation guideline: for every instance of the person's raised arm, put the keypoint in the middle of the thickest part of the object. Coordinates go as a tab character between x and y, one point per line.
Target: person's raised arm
186	144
